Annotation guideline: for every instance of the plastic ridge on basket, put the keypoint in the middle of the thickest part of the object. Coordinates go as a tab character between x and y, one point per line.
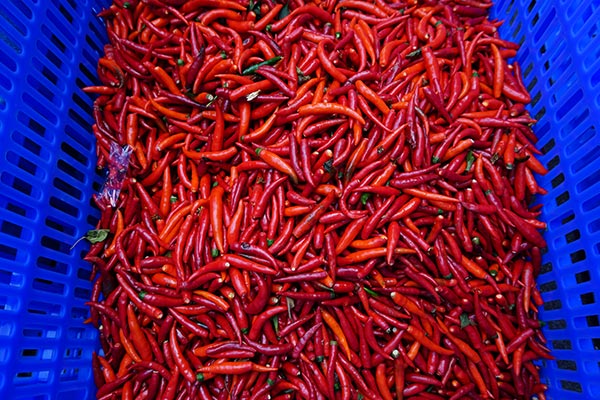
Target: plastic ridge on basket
49	50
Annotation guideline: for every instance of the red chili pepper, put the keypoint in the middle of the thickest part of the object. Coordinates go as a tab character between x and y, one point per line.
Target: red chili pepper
330	108
248	265
241	254
433	69
276	162
216	217
182	364
262	318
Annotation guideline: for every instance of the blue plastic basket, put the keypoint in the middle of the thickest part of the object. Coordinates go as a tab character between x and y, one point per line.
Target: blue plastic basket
48	51
560	58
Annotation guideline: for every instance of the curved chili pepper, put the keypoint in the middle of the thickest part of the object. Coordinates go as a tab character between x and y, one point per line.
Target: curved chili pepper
330	108
276	162
262	318
240	261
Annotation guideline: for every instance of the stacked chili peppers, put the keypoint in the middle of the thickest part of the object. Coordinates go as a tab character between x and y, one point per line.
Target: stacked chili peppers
325	200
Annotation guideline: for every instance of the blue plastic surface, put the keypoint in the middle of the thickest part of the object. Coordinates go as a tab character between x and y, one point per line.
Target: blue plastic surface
560	58
48	51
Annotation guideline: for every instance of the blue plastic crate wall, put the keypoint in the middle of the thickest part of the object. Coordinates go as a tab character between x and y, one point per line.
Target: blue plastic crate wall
560	58
48	50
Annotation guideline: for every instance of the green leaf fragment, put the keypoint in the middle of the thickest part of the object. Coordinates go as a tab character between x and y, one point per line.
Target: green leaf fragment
364	198
415	53
465	320
252	69
370	291
494	158
285	11
254	6
470	161
301	77
97	235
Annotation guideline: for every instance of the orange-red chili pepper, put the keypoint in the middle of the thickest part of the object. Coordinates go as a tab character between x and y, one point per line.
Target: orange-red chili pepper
178	357
266	137
328	109
276	162
216	217
139	340
420	337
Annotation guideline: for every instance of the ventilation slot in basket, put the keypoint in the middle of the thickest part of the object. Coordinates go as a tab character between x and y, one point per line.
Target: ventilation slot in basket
575	145
591	204
76	155
60	226
589	181
64	207
592	321
571	386
49	264
43	308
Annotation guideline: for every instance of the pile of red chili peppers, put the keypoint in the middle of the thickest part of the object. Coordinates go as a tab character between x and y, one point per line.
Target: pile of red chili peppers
325	200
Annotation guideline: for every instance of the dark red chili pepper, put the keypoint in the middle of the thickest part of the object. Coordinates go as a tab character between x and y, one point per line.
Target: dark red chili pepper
220	243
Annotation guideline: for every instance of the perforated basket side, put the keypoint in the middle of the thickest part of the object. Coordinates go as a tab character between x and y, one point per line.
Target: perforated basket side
560	59
48	50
